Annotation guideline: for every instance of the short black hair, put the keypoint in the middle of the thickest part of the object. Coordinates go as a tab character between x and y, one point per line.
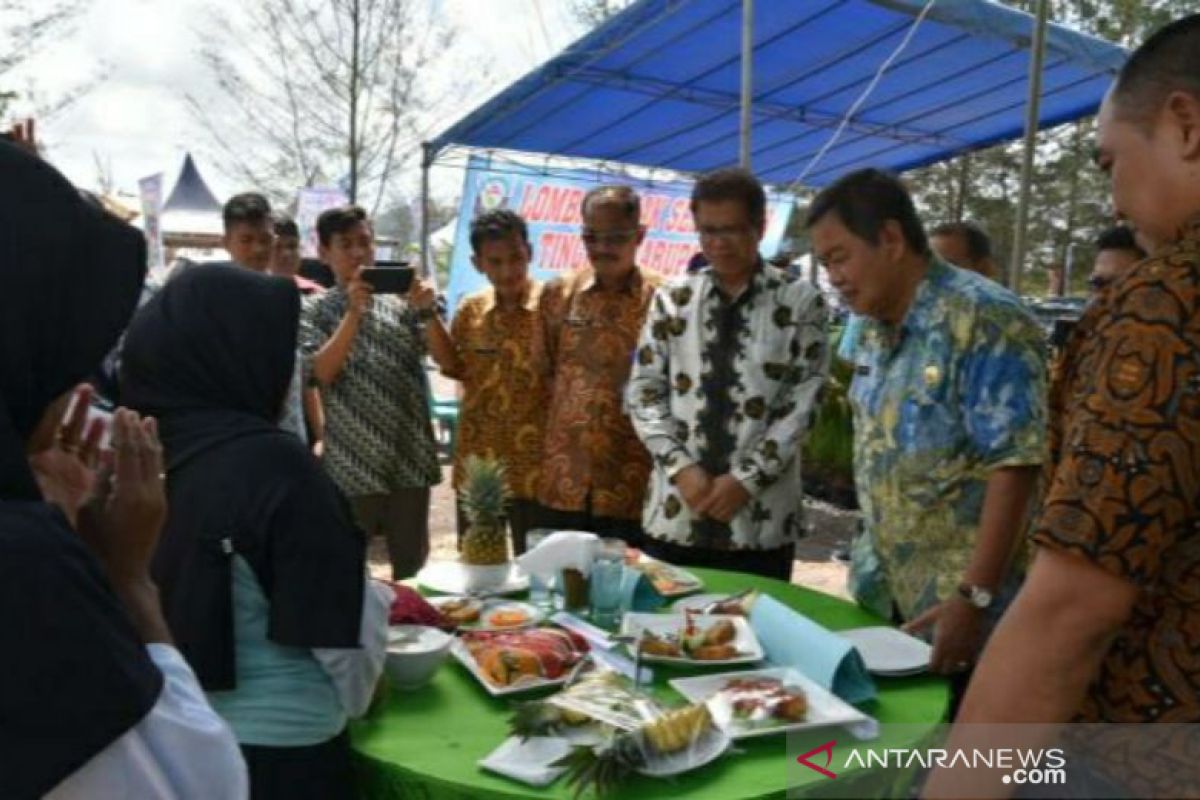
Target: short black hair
286	226
497	225
866	199
736	184
338	220
248	207
1119	237
620	195
1169	61
979	244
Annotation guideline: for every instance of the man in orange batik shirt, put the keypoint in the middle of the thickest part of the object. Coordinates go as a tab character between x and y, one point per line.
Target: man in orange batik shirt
595	469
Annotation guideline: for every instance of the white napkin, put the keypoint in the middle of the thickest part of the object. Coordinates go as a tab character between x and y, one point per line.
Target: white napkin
561	550
528	761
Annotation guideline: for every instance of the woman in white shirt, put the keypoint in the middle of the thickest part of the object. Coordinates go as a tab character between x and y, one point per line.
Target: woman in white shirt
94	700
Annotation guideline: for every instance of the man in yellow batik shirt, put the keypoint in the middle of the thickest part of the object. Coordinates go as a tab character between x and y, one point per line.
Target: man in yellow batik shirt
493	348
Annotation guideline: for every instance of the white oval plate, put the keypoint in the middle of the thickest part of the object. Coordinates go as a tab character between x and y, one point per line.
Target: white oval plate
453	577
888	651
709	748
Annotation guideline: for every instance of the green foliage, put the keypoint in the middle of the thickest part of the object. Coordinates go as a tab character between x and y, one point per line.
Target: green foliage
828	454
1070	203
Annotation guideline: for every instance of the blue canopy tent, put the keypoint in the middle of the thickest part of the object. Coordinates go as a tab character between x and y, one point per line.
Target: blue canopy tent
660	85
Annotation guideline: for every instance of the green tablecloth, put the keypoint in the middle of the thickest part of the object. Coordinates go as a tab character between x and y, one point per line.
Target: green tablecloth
426	744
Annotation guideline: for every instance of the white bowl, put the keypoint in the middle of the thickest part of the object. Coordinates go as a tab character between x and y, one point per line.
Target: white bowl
486	577
414	653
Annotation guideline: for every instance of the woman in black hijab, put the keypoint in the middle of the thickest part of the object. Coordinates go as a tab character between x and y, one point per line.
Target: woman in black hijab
262	570
93	700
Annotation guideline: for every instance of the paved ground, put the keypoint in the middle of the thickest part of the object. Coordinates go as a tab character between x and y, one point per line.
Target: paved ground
815	568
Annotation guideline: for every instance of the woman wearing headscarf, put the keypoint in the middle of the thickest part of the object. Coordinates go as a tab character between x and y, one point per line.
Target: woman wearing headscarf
94	700
262	569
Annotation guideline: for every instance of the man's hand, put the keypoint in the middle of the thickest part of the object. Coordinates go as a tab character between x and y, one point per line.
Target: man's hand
421	295
726	497
693	484
318	449
957	634
360	293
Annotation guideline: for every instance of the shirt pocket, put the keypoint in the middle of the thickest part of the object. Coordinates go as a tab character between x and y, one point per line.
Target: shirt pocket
930	431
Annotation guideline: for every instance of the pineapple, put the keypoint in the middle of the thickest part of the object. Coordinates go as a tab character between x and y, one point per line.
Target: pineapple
603	769
484	496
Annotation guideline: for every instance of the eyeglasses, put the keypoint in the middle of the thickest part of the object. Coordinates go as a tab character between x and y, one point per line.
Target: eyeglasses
611	238
725	233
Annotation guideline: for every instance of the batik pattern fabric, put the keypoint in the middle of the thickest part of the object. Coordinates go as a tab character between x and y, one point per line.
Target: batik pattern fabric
1124	485
951	394
592	459
378	432
730	385
499	361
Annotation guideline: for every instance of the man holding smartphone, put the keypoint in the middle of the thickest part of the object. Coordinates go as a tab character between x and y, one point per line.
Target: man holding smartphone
367	352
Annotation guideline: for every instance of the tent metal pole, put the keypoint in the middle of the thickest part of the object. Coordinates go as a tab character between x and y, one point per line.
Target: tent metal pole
426	163
1036	59
747	81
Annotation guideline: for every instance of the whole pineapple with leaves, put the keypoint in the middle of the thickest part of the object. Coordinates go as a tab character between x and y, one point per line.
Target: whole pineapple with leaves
484	495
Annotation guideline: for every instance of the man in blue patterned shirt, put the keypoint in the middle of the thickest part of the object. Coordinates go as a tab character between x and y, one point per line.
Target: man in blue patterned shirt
949	413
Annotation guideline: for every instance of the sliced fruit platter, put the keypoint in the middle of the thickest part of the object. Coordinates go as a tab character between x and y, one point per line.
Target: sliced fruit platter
507	662
487	615
693	639
617	730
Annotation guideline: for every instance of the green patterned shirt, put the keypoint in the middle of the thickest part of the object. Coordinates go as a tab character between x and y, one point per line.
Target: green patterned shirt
953	393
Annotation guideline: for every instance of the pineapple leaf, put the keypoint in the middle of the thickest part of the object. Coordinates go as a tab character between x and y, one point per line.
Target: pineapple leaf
534	719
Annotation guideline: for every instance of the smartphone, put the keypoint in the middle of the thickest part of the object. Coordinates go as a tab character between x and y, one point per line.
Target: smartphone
389	277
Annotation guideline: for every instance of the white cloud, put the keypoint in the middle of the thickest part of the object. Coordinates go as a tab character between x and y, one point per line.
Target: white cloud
136	118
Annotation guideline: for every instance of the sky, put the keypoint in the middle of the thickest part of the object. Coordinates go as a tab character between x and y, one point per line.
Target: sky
134	121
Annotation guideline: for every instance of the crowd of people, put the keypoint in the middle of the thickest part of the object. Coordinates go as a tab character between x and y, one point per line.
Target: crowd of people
185	594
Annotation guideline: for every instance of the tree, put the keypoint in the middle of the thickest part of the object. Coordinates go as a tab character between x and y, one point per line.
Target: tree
593	12
325	89
25	29
1070	200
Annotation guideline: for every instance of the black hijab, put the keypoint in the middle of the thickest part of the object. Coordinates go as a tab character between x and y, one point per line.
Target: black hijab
211	356
76	676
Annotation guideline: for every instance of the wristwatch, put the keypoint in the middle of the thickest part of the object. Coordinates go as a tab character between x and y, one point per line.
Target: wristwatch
977	596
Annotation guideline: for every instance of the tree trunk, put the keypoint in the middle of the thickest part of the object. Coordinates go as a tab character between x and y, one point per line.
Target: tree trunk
963	174
355	24
1077	167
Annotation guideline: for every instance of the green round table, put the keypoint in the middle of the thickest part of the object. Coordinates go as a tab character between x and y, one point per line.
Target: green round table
426	744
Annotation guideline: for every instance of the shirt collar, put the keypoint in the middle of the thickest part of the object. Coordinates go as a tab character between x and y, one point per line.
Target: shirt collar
633	283
529	298
757	280
1190	232
919	310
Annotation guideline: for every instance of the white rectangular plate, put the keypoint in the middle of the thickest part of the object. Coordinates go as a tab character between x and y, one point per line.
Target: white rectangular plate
744	639
824	708
460	651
